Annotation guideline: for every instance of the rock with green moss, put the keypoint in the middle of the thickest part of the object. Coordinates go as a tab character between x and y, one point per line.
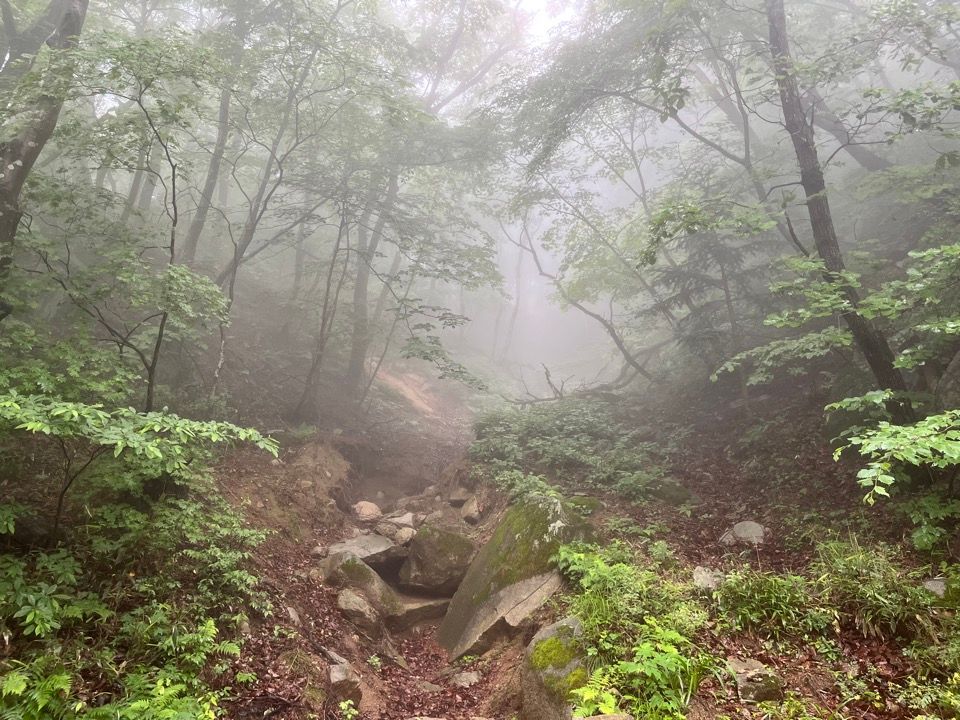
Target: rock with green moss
511	576
437	561
553	666
346	570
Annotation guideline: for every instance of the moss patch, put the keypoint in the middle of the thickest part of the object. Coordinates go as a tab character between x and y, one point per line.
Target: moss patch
562	685
554	652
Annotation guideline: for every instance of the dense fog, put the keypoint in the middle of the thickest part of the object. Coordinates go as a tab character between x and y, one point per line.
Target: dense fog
277	274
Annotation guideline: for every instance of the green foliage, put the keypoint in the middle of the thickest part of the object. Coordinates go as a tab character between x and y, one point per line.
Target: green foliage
139	599
72	369
795	707
931	515
158	441
791	353
521	487
347	710
39	595
934	699
930	444
637	629
573	442
775	605
870	591
176	576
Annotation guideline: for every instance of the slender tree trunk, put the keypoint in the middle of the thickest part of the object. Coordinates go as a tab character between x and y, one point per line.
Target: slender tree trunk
192	240
306	409
366	252
869	339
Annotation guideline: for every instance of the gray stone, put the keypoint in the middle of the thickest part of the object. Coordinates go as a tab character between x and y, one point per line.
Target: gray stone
938	586
374	550
397	611
466	679
405	535
747	532
345	570
470	512
412	611
706	579
437	561
756	683
553	666
294	616
358	611
319	551
407	519
444	517
459	496
366	511
345	683
399	534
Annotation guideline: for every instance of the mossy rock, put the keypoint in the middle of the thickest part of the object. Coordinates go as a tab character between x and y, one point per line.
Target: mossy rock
510	575
437	561
554	666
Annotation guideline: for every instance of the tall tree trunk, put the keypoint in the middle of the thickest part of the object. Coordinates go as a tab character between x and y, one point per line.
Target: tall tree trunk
59	27
871	342
192	240
366	252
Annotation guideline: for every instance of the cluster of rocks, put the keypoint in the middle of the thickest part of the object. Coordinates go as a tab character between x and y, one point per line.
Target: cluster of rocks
419	563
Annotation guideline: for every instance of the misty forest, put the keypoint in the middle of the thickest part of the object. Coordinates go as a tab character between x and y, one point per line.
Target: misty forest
479	359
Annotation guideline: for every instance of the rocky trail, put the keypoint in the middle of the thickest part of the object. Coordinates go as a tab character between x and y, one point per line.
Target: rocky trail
371	534
399	586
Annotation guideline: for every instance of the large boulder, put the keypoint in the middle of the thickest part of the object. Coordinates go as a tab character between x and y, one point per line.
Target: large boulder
510	577
553	666
437	561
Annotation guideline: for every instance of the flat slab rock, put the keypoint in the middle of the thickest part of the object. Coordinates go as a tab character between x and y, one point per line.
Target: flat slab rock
504	612
372	549
466	679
